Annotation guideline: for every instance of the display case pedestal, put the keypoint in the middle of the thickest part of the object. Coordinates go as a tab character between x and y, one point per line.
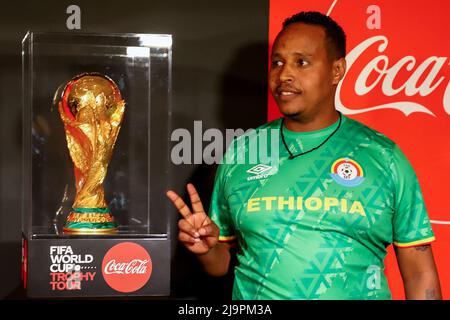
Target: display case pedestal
96	267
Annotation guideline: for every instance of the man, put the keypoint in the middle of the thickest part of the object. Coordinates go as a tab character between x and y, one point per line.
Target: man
317	224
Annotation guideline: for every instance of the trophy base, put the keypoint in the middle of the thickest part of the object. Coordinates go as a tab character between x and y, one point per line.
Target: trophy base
90	221
86	231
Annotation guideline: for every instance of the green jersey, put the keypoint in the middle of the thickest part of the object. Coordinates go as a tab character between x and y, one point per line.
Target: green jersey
317	226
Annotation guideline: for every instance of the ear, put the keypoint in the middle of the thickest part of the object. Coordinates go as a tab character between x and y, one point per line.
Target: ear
339	67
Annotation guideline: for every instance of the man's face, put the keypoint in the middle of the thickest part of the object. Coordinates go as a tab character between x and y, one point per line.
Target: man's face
303	76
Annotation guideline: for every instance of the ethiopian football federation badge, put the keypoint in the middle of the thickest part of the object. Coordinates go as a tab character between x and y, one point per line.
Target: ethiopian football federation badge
347	172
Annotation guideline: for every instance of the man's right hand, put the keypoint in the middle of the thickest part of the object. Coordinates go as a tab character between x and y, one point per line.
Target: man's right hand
197	231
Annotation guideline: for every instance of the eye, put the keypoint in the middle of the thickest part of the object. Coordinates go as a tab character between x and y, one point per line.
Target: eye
277	63
302	62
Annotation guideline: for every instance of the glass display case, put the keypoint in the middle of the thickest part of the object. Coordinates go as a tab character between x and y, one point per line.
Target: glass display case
134	169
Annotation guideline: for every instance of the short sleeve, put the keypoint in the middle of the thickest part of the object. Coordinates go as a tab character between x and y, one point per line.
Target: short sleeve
411	224
219	210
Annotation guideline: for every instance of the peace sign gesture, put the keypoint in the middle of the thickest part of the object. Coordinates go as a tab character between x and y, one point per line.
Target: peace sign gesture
197	231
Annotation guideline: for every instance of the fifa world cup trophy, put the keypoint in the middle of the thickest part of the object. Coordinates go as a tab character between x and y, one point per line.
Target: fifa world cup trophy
92	109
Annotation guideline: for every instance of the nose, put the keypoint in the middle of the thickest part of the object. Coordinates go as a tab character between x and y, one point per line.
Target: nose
286	74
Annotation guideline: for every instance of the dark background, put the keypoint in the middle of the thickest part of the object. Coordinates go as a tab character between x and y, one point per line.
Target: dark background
219	77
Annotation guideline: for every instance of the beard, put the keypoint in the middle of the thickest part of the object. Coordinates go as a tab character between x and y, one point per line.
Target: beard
291	113
299	114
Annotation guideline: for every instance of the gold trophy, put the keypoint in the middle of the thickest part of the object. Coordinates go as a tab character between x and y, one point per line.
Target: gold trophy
92	109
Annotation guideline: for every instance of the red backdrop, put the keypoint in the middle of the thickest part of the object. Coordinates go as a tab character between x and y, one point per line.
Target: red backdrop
397	82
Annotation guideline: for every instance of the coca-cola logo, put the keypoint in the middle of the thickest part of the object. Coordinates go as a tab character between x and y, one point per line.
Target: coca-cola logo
127	267
135	266
422	79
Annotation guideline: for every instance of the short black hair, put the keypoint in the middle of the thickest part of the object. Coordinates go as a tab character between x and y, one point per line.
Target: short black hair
335	35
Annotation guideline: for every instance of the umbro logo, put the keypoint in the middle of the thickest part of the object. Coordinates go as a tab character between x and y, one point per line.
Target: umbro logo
260	171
